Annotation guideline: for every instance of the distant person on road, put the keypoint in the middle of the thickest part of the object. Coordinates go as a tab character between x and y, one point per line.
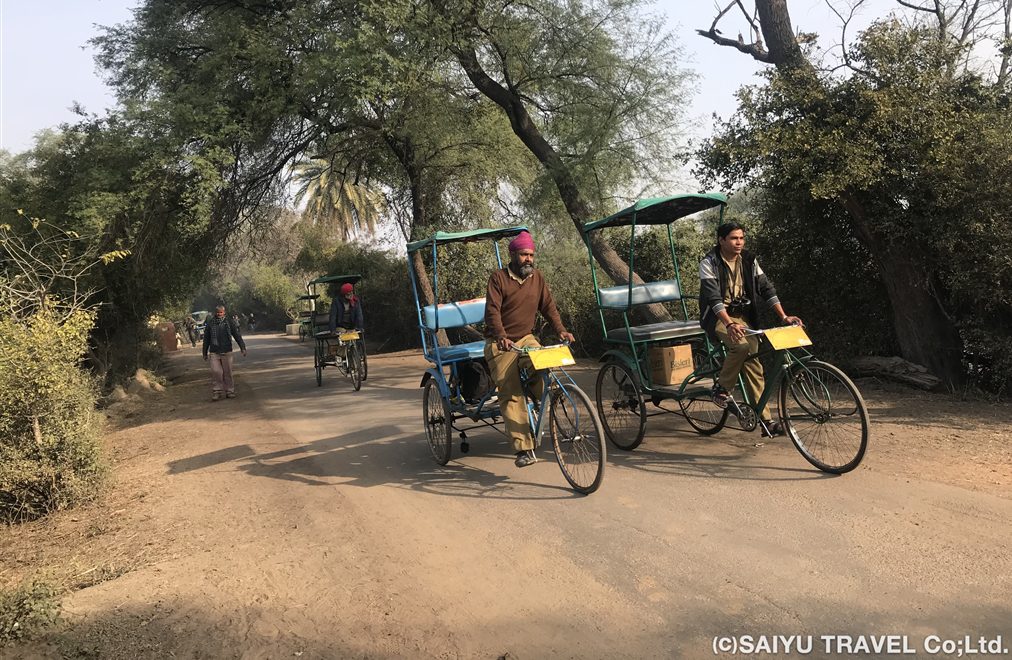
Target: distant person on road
346	310
218	342
251	322
191	329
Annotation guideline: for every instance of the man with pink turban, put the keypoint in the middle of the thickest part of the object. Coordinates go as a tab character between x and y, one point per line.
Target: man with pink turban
514	297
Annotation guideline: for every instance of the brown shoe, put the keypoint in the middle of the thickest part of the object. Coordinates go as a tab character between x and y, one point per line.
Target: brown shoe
772	430
215	396
230	395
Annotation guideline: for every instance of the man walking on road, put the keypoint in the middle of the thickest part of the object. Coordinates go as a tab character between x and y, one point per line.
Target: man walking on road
218	341
514	297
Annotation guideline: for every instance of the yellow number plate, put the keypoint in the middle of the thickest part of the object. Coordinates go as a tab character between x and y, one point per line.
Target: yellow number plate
546	358
791	336
349	336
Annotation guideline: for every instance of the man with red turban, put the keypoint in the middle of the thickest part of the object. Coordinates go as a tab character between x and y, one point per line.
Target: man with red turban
346	310
514	297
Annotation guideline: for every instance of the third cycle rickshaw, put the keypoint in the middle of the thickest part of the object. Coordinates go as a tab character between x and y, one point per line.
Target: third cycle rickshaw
819	407
453	393
343	348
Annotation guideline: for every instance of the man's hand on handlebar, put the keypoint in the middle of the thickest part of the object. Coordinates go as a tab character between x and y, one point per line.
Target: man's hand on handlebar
504	343
793	320
567	337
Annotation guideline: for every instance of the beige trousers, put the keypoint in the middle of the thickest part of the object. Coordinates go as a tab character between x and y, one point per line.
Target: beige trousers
221	372
735	363
505	370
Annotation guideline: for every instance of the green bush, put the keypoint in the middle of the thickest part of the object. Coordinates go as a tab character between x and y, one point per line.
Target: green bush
50	456
27	610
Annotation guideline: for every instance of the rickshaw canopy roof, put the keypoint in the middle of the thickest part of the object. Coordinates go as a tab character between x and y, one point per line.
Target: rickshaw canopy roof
312	297
441	237
339	279
659	210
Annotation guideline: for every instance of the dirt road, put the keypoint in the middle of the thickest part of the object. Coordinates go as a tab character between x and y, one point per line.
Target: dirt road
298	521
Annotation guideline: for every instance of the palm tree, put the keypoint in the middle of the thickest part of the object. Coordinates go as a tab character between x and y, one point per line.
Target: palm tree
334	202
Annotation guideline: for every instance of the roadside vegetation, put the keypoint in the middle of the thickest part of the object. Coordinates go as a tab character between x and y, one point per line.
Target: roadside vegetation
258	145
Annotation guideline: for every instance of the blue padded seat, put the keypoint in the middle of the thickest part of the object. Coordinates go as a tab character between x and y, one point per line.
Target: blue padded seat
455	314
617	297
658	331
469	351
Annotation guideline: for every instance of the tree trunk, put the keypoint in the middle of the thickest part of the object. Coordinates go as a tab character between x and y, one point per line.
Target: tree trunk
404	151
579	211
775	21
925	332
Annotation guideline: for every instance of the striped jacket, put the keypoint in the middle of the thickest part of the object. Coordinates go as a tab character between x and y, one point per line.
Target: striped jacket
713	277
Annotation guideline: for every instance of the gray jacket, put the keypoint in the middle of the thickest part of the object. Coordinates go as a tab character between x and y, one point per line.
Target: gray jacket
218	335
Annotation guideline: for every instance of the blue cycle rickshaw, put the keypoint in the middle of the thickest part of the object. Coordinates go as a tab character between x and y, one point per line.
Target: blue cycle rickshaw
455	392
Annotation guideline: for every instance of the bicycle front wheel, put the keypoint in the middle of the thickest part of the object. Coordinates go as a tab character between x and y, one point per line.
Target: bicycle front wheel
354	367
364	359
824	416
318	364
577	438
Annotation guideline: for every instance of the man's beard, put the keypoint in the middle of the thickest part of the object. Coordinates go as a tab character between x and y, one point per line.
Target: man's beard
525	270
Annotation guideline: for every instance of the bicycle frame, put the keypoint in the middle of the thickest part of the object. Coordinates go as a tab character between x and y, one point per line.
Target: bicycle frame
782	360
550	382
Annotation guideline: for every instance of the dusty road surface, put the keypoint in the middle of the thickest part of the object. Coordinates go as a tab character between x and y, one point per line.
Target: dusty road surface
311	522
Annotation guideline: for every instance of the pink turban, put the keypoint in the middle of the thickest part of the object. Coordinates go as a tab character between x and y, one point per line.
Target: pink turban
523	241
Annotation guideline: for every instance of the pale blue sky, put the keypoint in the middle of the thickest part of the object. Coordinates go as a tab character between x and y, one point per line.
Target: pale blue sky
46	66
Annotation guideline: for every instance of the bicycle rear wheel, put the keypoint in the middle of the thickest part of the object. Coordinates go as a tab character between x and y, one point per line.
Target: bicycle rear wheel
438	423
698	408
620	405
824	416
577	438
354	366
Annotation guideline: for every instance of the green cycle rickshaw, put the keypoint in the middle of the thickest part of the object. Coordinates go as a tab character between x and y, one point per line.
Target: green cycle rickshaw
344	349
819	407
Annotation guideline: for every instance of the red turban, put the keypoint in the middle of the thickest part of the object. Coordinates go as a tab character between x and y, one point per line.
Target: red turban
346	288
523	241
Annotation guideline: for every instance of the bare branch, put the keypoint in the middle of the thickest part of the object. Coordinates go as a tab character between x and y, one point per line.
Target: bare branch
755	50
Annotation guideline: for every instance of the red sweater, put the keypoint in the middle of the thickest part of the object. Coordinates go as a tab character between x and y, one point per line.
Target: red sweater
511	307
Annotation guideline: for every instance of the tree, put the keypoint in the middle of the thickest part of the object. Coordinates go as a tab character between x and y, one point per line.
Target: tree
334	202
593	91
879	143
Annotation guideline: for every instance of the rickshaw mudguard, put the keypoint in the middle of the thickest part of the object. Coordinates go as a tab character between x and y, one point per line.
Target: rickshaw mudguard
620	356
444	390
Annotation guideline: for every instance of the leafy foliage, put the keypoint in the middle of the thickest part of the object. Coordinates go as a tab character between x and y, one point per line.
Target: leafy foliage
27	610
918	144
50	456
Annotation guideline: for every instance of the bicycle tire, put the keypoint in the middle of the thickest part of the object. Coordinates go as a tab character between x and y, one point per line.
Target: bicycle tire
824	415
438	423
364	359
318	363
581	455
354	367
620	405
699	410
